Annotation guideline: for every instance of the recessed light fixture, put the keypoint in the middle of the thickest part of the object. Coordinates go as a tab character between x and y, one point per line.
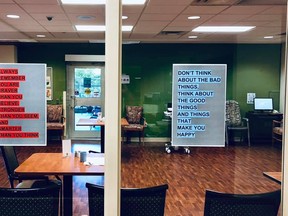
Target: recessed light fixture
193	17
41	36
86	17
269	37
192	36
99	28
13	16
101	2
124	17
224	29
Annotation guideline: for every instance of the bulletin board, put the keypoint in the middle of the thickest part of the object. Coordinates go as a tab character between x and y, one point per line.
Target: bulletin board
23	104
198	103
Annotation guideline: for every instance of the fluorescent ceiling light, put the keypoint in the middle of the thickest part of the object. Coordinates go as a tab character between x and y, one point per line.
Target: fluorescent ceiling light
124	17
41	36
223	29
192	36
13	16
83	2
99	28
194	17
101	2
127	28
268	37
133	2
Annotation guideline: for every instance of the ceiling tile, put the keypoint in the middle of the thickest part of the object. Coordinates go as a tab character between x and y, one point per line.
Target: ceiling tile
33	8
199	10
149	26
164	9
244	10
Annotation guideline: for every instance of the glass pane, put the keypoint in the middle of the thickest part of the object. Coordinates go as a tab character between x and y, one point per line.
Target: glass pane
87	87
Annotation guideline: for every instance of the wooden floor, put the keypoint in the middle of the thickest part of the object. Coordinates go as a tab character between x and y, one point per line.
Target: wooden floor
237	169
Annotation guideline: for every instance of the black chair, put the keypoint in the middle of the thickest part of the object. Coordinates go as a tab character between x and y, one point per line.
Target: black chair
11	163
32	201
223	204
134	201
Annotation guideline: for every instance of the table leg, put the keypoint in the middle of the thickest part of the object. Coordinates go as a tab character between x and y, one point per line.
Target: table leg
67	195
102	138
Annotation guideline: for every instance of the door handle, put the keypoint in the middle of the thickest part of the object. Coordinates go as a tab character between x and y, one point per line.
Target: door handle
73	102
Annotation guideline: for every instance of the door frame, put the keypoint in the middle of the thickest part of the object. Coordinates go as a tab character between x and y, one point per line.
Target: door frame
89	61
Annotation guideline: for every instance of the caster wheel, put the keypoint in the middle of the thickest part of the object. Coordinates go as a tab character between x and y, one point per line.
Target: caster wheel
168	150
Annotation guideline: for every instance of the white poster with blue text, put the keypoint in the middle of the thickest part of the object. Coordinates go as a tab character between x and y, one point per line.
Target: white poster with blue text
198	102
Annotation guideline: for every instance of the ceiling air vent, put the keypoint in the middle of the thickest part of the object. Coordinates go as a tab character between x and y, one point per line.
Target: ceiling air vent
215	2
262	2
173	33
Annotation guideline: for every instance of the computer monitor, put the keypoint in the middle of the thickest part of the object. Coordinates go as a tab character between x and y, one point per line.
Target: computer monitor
263	104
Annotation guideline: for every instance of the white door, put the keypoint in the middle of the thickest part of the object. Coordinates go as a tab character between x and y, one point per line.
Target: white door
85	98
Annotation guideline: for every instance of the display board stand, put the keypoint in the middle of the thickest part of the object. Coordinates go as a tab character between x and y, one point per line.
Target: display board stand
198	103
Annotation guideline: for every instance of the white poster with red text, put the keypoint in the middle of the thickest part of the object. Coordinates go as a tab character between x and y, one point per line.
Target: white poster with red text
23	104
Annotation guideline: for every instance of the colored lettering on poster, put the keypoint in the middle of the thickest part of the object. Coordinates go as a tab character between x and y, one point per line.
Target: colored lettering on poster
190	99
10	108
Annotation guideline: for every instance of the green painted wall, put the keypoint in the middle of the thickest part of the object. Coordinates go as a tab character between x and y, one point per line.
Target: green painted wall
251	68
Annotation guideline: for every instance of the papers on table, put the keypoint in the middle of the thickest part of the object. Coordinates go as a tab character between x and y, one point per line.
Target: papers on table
96	160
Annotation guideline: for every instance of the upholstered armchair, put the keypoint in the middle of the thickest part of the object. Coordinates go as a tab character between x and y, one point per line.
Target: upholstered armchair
137	123
55	119
277	131
234	121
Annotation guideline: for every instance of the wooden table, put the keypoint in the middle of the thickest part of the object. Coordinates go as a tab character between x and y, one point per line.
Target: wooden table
95	122
56	164
275	176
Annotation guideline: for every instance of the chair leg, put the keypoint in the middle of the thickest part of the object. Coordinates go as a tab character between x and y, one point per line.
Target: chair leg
127	135
248	137
142	134
227	138
11	182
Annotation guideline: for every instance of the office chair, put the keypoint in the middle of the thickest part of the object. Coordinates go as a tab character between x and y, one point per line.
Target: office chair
30	201
137	123
234	121
134	201
223	204
11	163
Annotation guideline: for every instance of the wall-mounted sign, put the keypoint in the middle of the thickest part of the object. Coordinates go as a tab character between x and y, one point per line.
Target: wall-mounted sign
199	95
23	104
87	82
125	79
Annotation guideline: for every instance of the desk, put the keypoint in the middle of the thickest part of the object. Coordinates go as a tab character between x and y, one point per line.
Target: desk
95	122
275	176
261	125
56	164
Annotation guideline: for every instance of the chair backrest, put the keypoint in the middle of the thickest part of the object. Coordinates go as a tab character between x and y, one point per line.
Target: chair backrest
10	159
134	201
233	115
222	204
36	201
54	113
134	114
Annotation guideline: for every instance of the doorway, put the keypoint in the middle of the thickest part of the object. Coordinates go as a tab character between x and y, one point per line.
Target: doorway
85	98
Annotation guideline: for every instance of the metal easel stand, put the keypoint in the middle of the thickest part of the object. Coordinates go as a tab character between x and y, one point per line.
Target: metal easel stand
168	146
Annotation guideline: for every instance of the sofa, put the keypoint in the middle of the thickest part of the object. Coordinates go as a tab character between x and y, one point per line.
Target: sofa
55	119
